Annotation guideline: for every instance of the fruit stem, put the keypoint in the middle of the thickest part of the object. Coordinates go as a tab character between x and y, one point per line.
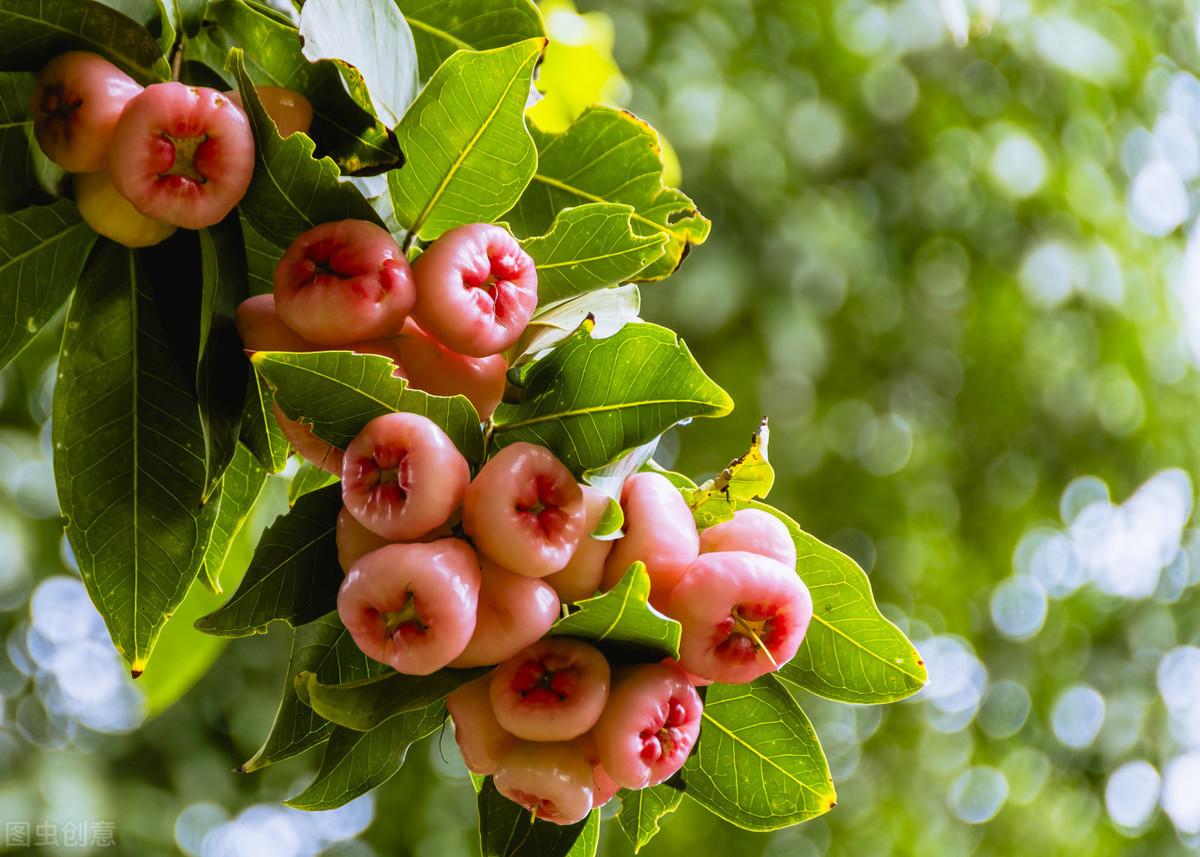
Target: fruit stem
745	628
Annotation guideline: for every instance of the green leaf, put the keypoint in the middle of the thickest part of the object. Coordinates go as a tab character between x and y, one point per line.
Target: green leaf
241	487
291	191
35	31
589	247
469	154
590	400
363	705
128	455
622	622
371	46
308	478
642	810
260	430
343	127
356	762
294	576
758	763
610	155
748	477
441	27
18	178
340	392
605	310
851	652
506	830
323	647
261	258
42	252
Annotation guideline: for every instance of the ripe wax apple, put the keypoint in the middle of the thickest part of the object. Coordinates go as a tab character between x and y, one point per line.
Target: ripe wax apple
77	100
649	726
525	511
402	476
436	369
582	575
514	612
751	530
481	739
553	780
288	109
552	691
112	215
412	606
182	154
603	787
262	329
343	282
476	289
743	615
659	531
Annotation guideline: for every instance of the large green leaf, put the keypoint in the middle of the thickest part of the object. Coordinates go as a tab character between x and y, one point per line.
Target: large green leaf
42	251
642	810
340	392
363	705
590	400
294	576
622	622
241	486
610	155
260	430
356	762
128	455
325	648
371	46
441	27
589	247
35	31
507	830
758	763
261	258
468	153
851	652
343	126
308	478
291	191
17	176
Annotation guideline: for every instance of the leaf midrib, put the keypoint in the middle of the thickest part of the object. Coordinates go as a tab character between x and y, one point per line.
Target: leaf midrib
734	737
577	412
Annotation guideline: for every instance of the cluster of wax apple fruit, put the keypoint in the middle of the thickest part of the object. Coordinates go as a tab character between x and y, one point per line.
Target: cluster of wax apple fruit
148	160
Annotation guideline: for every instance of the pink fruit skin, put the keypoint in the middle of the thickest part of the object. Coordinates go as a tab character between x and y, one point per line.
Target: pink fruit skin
412	606
724	593
354	540
476	289
262	329
402	476
77	100
659	531
481	739
436	369
553	690
344	282
582	575
649	726
514	612
307	445
603	787
553	780
751	530
182	154
525	511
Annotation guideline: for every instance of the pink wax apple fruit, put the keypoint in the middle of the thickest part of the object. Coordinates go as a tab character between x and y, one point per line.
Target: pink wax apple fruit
476	289
659	530
514	612
583	572
436	369
112	215
354	541
603	787
412	606
77	99
751	530
480	737
288	109
525	511
551	779
182	154
402	476
649	726
344	282
743	615
553	690
262	329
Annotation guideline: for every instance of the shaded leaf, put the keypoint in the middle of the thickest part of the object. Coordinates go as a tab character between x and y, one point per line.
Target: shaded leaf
622	622
441	27
261	258
363	705
468	153
260	430
18	179
506	830
748	477
642	810
241	486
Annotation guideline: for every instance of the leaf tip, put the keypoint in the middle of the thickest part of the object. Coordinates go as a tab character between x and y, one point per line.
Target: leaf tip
137	668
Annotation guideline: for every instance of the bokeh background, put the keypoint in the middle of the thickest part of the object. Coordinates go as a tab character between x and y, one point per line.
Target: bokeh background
954	259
